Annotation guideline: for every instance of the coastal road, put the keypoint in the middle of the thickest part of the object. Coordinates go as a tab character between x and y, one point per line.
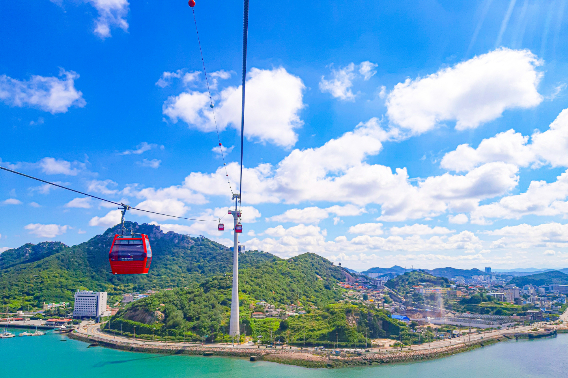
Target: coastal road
93	332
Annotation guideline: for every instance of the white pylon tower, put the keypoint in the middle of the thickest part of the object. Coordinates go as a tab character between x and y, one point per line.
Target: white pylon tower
234	323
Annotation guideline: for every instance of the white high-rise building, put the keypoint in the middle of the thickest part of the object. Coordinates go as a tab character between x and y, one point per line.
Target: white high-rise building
89	304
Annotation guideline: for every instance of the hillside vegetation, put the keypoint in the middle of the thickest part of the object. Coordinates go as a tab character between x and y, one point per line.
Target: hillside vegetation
403	284
51	271
203	310
539	279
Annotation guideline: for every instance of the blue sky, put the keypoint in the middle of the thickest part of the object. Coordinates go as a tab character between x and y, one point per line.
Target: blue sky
418	133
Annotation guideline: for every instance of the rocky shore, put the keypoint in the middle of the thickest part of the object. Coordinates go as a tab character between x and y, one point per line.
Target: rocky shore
294	357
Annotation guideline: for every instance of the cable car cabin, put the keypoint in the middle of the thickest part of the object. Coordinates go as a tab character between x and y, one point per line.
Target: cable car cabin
130	255
239	228
221	227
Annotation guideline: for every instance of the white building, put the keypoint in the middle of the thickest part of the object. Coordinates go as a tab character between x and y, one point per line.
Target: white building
89	304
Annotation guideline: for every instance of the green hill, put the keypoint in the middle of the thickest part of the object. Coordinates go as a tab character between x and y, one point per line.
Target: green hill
403	284
29	253
308	280
53	271
539	279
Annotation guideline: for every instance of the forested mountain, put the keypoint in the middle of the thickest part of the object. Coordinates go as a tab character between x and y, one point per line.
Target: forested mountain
403	284
308	280
29	253
539	279
50	272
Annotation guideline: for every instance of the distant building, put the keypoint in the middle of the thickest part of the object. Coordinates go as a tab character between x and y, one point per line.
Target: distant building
499	296
127	298
512	293
89	304
487	269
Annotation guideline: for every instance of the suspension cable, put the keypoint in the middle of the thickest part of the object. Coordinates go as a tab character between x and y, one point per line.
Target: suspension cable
103	199
245	40
211	104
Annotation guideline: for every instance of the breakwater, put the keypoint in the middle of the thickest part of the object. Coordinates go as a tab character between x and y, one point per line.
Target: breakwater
293	357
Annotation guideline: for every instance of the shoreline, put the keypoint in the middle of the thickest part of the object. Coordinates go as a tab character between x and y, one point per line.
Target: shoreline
303	358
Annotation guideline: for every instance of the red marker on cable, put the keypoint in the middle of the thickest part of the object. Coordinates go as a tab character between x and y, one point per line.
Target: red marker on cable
191	3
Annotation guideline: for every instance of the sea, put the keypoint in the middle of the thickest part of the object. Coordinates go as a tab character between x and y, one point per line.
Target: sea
57	356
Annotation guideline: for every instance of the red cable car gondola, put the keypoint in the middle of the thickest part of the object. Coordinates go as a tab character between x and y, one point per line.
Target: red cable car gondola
221	227
239	228
130	254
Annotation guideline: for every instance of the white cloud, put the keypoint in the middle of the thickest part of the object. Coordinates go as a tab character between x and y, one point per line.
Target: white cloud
383	92
81	203
51	94
367	69
367	229
165	206
141	148
548	147
112	218
35	204
549	252
458	219
336	172
541	198
210	221
509	147
299	239
154	163
12	201
274	100
52	166
471	93
221	151
102	187
46	230
547	235
111	13
346	210
419	229
340	84
306	215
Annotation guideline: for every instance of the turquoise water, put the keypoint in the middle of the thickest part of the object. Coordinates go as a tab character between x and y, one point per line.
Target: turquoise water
47	357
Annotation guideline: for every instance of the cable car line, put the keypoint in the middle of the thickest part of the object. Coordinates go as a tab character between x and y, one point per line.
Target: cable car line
211	104
103	199
245	40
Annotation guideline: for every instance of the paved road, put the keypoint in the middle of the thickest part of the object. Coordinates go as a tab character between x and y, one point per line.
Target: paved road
93	330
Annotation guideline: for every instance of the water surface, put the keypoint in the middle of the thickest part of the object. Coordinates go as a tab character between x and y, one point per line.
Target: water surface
49	357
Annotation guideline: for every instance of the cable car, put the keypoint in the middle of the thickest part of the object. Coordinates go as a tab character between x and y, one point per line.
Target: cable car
239	228
221	227
130	255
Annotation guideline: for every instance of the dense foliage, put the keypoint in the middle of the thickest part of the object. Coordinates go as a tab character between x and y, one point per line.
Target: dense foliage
546	278
404	283
52	272
202	311
29	253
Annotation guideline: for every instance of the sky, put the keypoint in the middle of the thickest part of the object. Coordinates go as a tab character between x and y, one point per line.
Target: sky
419	133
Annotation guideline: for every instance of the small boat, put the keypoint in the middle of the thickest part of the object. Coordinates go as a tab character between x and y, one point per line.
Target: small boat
25	334
37	333
6	334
